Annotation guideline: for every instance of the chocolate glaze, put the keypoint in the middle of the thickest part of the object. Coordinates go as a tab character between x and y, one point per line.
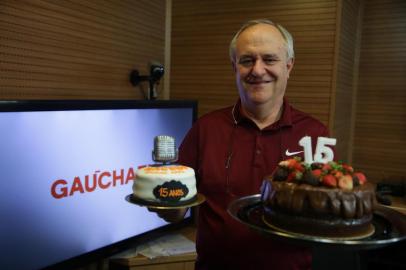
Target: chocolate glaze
334	227
312	201
320	210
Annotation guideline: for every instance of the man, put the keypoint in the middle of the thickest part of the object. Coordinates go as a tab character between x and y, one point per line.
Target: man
232	149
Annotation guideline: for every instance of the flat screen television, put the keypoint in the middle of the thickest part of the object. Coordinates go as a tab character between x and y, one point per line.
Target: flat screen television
66	168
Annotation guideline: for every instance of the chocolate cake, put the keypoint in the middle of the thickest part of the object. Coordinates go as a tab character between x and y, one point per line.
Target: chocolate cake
328	200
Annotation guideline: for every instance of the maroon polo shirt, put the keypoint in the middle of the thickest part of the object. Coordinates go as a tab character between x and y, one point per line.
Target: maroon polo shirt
231	156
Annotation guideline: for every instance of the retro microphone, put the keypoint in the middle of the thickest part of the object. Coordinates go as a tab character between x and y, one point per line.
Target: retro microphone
165	150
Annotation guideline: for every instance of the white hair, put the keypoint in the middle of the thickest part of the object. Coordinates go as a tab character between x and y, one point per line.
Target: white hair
285	34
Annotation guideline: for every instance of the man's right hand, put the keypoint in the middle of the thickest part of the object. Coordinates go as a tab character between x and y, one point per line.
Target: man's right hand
170	215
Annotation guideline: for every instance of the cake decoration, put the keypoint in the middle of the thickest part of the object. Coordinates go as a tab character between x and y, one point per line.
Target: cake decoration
165	182
171	191
323	154
332	174
328	198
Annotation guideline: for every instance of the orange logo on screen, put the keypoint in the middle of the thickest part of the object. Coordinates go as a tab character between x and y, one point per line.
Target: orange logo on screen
62	188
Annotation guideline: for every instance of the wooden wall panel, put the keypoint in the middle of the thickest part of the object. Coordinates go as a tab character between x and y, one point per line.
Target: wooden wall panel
78	49
380	128
343	103
202	30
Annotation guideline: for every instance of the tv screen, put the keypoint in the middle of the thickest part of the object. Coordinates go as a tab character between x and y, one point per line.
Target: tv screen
66	167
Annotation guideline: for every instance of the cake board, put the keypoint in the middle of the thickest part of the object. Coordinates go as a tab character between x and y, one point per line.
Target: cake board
200	198
328	253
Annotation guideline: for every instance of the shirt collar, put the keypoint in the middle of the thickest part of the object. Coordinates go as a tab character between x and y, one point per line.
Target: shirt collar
285	120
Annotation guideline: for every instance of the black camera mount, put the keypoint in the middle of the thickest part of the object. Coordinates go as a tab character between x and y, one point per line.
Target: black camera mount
156	73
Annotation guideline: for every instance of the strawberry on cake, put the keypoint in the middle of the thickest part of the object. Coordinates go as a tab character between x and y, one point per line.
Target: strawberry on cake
319	199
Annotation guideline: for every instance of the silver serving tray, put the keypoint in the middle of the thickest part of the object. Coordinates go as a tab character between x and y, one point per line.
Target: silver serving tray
389	227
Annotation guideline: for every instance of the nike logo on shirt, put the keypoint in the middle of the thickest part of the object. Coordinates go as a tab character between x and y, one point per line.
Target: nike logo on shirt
287	153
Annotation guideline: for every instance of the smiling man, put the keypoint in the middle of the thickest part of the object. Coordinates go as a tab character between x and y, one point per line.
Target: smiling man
233	149
262	63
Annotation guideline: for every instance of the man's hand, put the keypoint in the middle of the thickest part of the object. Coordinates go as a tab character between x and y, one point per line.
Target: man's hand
170	215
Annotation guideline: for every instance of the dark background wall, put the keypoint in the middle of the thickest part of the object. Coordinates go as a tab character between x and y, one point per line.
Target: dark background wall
380	120
77	49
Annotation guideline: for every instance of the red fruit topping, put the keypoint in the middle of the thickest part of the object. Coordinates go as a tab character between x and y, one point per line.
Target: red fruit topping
329	181
292	163
317	173
337	174
291	177
361	177
326	167
345	182
298	167
285	163
347	168
332	174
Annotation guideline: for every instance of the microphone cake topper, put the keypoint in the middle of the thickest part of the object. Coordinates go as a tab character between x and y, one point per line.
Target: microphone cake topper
165	150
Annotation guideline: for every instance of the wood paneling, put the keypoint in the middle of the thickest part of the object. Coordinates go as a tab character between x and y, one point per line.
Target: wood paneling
202	30
343	103
380	128
78	49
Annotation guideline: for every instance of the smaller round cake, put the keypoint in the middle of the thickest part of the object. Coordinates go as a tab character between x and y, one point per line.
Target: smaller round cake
328	200
171	185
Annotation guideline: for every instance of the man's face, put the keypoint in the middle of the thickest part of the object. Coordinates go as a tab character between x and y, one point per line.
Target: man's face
261	65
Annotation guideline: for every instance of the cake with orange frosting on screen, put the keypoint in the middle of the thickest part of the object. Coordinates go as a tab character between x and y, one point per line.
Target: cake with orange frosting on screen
318	199
165	184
